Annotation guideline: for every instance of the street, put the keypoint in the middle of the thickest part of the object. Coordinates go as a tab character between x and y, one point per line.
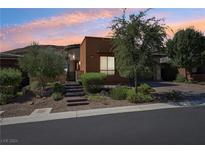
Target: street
164	126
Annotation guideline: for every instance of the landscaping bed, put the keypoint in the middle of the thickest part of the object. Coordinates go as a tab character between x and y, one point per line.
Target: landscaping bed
20	107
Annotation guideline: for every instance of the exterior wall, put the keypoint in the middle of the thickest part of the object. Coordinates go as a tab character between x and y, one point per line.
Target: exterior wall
194	76
90	51
83	56
6	63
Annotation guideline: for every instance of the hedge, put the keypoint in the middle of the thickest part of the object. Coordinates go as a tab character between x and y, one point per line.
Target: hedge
10	77
92	82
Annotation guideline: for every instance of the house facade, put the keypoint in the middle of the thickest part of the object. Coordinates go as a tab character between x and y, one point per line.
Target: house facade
96	55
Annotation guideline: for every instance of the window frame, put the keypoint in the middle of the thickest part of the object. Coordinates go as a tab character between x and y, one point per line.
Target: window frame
107	71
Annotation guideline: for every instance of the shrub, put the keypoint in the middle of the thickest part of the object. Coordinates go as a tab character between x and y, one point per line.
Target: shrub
92	82
119	93
138	97
180	78
4	98
58	88
145	88
174	95
57	96
10	77
34	85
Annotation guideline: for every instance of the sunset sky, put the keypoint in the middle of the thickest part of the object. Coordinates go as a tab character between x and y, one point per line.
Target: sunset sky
19	27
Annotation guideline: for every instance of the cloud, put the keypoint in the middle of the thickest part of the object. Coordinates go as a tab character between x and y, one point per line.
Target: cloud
60	30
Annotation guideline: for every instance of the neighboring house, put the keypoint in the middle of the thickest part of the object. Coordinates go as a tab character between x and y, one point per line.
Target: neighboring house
197	74
9	60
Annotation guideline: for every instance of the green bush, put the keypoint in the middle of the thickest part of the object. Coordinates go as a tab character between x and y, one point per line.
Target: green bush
145	88
180	78
10	77
58	88
119	93
34	85
92	82
57	96
4	98
138	97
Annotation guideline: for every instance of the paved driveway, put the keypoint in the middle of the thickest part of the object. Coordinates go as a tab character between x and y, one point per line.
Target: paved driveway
194	93
167	126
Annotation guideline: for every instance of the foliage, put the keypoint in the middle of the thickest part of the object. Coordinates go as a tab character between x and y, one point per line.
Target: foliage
57	96
135	39
145	88
180	78
92	82
95	97
4	98
58	88
42	64
174	95
10	77
119	93
34	85
138	97
187	49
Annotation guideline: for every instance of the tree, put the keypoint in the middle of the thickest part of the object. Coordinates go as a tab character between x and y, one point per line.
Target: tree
42	64
135	39
187	49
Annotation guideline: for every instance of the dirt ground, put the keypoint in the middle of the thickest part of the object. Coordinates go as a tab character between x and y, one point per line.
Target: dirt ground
22	106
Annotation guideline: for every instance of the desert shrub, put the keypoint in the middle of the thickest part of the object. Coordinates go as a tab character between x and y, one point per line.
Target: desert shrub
10	77
180	78
145	88
139	97
92	82
57	96
58	88
174	95
34	85
119	93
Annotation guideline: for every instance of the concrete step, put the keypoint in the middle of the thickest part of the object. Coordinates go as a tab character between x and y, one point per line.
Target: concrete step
75	90
73	87
72	84
70	94
76	99
78	103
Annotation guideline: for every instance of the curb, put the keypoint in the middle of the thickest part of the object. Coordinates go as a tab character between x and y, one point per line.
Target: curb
84	113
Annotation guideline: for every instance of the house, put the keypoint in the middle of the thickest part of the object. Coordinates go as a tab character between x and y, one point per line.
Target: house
96	55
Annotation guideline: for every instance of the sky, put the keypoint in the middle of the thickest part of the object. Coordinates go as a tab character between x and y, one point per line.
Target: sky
20	27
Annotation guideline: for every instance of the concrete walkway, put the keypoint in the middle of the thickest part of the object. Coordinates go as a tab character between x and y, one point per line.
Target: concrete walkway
84	113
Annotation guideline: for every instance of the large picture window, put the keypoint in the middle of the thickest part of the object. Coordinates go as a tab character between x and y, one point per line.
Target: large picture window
107	65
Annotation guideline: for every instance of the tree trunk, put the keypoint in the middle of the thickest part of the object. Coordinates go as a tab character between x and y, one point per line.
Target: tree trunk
135	80
186	74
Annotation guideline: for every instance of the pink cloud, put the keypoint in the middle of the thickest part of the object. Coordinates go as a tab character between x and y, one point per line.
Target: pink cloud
45	31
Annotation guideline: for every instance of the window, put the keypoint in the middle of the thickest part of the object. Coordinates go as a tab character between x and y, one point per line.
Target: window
107	65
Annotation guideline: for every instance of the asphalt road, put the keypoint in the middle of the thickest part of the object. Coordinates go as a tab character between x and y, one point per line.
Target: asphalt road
167	126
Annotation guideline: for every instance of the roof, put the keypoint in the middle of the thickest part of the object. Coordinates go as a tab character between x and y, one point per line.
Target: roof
9	56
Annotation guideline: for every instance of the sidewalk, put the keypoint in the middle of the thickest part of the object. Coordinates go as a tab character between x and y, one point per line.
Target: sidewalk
83	113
